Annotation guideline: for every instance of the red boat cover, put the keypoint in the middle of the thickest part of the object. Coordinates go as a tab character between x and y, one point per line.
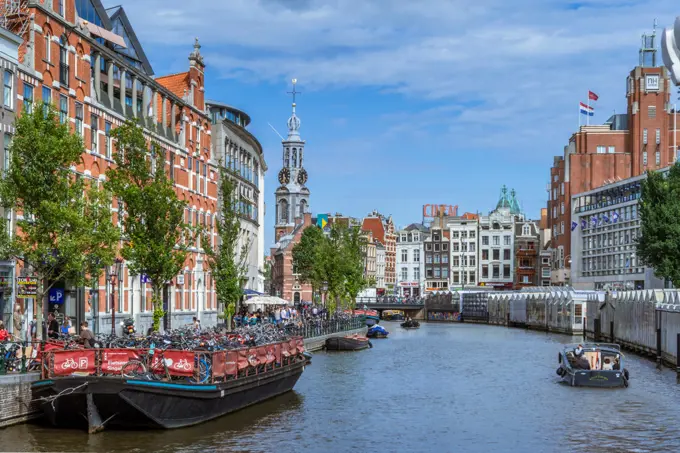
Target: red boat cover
114	359
230	367
292	347
271	354
74	360
284	350
219	364
242	359
300	345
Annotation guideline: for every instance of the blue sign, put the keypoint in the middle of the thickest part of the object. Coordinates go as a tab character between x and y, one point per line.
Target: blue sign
145	278
57	296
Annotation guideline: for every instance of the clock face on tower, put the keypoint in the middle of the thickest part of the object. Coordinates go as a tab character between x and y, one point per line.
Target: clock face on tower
302	177
284	176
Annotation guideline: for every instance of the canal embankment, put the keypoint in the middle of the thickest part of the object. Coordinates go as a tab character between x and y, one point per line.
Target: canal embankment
646	322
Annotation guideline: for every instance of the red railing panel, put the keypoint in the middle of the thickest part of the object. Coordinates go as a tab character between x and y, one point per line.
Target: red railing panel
112	360
231	365
71	361
219	364
242	359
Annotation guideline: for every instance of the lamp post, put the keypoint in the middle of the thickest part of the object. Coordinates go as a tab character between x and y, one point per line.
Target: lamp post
114	273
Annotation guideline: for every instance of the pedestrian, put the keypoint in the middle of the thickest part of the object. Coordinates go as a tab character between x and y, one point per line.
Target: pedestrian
33	328
86	335
52	326
4	335
18	321
277	315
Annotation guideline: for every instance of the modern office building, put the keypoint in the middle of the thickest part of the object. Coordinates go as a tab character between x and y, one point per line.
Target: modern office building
605	229
241	153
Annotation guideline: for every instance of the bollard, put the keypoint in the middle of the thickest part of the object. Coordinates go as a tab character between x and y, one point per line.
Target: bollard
585	326
677	358
507	319
611	331
658	349
23	358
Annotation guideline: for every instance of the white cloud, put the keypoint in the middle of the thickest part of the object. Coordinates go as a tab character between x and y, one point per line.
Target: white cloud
507	75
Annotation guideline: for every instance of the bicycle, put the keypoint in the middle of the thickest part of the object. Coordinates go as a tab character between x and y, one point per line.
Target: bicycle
136	368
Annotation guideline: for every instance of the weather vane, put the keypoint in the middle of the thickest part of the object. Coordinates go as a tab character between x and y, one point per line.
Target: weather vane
294	92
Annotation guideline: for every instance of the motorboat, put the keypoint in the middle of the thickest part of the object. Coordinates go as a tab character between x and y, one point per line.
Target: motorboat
410	324
393	315
348	343
377	331
592	365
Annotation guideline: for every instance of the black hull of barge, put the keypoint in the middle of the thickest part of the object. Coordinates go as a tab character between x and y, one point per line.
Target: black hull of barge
137	404
346	344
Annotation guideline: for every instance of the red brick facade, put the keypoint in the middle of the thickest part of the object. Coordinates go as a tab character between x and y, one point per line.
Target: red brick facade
176	121
634	143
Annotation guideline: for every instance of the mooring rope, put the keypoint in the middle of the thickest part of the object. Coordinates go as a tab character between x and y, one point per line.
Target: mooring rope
51	399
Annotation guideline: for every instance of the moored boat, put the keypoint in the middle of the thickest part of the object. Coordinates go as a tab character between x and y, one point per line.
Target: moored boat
410	324
377	331
592	365
393	315
88	388
348	343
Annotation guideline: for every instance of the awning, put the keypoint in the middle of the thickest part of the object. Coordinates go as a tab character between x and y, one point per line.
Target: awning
267	300
104	33
250	292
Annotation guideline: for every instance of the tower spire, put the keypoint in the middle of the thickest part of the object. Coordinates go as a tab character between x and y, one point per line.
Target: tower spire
294	121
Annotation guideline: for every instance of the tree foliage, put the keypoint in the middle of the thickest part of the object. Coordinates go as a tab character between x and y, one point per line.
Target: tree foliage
658	245
65	231
156	238
227	259
334	261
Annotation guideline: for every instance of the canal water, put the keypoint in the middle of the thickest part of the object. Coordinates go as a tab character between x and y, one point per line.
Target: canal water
442	388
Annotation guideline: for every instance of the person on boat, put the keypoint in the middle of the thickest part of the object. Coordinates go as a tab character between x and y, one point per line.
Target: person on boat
580	362
607	363
66	326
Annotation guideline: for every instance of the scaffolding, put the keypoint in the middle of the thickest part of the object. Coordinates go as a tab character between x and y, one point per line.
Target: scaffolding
14	16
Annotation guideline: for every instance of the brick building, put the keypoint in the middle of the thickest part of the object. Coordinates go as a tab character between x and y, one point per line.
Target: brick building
625	146
383	231
88	63
527	254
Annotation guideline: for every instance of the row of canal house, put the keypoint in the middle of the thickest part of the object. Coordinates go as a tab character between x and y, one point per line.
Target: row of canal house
87	62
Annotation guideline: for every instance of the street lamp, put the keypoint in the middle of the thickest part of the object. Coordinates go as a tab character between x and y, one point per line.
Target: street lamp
114	273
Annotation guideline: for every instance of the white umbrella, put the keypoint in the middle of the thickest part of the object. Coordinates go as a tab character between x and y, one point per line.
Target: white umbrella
267	300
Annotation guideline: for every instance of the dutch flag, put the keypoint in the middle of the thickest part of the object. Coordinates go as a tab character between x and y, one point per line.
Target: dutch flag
586	109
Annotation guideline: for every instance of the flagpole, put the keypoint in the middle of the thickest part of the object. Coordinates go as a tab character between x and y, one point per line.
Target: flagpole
588	115
579	118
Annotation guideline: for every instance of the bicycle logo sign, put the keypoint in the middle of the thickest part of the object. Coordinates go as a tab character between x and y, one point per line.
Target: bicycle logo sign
70	364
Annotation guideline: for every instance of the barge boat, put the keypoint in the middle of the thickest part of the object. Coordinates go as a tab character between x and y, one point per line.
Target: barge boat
87	388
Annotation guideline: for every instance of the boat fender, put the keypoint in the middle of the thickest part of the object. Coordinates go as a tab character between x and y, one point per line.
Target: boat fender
560	371
625	382
626	375
370	345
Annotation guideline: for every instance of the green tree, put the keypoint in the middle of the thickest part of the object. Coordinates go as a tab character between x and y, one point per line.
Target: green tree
155	235
353	256
227	259
658	245
306	257
64	223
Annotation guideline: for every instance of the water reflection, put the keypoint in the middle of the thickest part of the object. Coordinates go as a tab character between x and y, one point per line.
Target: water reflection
441	388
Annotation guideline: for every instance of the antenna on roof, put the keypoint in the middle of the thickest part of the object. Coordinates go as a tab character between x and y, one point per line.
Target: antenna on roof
277	132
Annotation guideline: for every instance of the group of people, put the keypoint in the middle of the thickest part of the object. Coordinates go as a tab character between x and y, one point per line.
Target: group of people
276	315
19	332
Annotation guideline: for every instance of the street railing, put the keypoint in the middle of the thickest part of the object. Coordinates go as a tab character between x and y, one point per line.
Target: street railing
389	300
317	327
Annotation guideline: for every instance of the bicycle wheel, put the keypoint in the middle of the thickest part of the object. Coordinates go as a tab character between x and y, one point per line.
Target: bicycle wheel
133	369
203	371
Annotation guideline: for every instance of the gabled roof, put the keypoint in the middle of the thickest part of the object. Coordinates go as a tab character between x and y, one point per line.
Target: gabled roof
176	83
135	50
375	226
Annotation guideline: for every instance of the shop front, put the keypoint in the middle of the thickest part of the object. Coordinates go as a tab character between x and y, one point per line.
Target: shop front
409	289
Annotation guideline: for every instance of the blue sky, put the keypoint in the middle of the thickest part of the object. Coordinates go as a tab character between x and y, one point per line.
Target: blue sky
408	103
